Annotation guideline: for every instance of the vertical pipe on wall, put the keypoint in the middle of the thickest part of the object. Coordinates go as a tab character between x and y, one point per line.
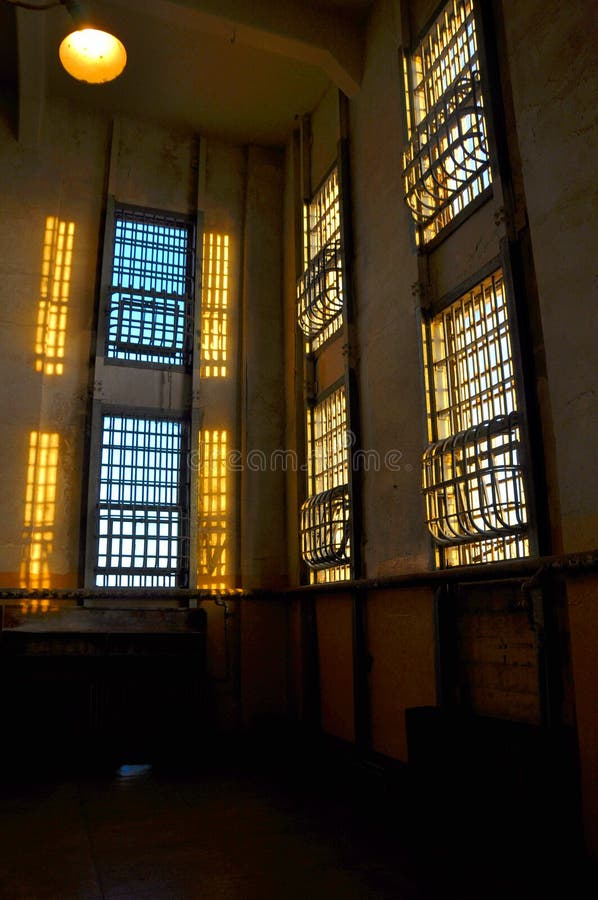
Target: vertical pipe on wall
195	424
511	218
361	687
350	349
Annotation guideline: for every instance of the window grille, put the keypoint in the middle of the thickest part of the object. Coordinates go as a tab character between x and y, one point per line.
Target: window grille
325	515
320	287
327	434
150	311
473	480
325	529
472	365
142	508
446	164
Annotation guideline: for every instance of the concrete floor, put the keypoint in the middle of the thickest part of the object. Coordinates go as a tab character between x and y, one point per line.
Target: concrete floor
225	832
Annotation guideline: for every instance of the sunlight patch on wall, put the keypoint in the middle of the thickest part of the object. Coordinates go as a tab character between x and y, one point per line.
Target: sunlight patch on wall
40	509
50	335
212	509
214	306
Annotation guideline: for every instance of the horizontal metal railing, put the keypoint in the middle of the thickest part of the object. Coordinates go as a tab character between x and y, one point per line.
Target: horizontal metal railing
531	569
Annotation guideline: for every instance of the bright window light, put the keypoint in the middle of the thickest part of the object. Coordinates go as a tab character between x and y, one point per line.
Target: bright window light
40	509
142	510
472	470
214	306
50	333
150	315
212	509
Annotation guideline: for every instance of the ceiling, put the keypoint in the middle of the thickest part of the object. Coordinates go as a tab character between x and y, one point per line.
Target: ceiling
239	69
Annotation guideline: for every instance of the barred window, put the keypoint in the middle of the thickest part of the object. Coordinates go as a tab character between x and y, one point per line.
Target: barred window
150	310
142	503
320	287
325	515
473	479
446	164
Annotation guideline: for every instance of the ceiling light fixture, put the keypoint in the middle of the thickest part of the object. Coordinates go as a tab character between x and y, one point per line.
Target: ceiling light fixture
87	53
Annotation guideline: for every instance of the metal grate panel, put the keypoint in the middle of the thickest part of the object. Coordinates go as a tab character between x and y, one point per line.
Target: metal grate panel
320	291
142	508
150	312
327	434
472	473
473	483
325	521
320	288
325	515
446	164
473	379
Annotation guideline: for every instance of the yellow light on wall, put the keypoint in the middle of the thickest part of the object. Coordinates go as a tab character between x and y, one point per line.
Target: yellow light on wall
92	56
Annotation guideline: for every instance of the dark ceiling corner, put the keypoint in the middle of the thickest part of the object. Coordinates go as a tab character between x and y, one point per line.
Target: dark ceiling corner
9	78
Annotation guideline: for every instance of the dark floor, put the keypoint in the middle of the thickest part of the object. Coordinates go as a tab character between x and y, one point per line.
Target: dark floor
225	831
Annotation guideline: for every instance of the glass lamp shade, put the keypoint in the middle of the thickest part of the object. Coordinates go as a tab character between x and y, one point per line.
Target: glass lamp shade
92	56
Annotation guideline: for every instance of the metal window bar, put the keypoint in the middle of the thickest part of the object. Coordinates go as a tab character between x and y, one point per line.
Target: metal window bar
320	287
325	532
473	483
150	310
472	473
446	165
471	361
142	507
328	463
328	470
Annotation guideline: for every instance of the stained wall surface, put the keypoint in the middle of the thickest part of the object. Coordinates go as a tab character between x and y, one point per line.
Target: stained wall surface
48	330
554	92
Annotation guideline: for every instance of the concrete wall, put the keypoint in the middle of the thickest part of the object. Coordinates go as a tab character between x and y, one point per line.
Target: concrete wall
63	177
263	554
390	388
552	82
400	627
554	93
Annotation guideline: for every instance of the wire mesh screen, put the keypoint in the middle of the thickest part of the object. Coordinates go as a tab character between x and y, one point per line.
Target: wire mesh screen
473	480
325	515
320	288
446	164
150	312
142	508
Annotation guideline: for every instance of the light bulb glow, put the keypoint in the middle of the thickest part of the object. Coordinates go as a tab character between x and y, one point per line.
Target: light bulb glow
92	56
